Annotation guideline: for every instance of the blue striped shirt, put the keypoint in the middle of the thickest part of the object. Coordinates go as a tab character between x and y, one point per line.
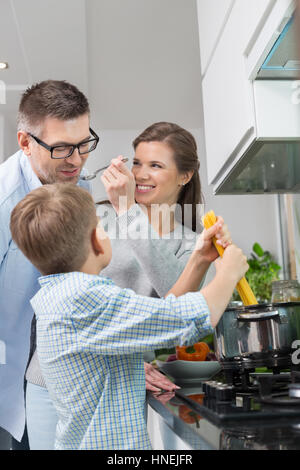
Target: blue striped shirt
91	336
18	283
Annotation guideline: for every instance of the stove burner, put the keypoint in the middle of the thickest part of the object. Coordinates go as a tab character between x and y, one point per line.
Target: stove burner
246	381
242	364
248	397
288	396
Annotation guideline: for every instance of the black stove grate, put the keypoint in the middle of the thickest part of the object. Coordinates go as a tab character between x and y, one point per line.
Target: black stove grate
251	396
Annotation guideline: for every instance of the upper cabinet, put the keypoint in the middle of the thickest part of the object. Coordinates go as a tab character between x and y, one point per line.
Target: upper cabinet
235	38
212	17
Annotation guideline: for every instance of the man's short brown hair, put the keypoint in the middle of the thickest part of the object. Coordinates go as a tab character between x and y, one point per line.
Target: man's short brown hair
50	98
52	226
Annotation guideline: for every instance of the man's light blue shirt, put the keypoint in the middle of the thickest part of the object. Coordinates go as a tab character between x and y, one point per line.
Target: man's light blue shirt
18	284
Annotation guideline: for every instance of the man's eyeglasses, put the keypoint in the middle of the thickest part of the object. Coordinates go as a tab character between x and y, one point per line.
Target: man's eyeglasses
66	150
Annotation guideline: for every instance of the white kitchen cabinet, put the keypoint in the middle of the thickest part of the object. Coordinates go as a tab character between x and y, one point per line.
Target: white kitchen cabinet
212	17
162	437
229	116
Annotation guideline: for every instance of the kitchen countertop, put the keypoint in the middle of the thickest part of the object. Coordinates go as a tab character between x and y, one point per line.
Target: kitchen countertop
201	434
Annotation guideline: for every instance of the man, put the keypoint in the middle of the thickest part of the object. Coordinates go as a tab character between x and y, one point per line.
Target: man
55	140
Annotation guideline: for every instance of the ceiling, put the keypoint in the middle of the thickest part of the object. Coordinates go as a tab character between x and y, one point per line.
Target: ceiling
137	60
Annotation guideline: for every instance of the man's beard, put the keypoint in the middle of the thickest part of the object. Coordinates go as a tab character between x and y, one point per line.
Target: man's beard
47	177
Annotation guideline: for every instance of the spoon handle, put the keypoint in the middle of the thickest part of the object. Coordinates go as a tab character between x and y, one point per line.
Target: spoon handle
93	175
124	160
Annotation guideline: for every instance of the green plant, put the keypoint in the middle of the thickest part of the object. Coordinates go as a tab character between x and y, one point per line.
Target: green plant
263	270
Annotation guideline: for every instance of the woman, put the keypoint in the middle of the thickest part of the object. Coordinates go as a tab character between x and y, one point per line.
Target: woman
151	248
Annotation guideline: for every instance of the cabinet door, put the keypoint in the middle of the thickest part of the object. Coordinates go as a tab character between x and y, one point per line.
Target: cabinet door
212	17
229	118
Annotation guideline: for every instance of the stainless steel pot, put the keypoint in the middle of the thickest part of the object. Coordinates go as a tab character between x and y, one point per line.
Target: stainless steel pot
259	335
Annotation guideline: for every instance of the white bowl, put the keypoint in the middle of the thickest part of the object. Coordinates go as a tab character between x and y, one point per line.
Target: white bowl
189	372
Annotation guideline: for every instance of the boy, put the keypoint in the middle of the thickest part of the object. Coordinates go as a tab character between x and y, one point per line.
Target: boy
92	334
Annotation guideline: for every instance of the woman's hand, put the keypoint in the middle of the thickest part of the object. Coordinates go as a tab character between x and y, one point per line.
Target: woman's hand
119	184
155	381
205	248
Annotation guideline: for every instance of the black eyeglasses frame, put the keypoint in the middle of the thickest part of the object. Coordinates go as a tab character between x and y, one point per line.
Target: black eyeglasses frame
74	146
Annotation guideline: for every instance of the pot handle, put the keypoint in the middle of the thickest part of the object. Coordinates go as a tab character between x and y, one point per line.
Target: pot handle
257	316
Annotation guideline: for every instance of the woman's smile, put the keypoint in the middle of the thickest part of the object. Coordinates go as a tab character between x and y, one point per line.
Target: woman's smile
144	188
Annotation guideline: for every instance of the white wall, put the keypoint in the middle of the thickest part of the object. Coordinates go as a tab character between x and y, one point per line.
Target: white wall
10	139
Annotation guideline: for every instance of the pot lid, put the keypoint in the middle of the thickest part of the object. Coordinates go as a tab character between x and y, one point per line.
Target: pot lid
262	307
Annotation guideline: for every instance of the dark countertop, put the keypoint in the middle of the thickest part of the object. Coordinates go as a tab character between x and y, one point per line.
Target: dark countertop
201	434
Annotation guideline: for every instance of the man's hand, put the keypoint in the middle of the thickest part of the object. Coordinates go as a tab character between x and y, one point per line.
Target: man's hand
155	381
119	182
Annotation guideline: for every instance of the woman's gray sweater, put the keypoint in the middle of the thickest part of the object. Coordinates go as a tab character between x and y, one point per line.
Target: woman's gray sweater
141	260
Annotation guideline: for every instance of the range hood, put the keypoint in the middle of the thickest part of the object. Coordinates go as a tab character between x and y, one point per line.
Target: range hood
283	60
271	162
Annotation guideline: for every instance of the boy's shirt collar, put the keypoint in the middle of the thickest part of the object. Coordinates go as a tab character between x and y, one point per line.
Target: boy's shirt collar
53	279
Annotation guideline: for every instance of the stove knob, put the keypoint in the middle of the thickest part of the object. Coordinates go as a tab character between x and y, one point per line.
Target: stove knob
213	388
205	386
208	389
225	393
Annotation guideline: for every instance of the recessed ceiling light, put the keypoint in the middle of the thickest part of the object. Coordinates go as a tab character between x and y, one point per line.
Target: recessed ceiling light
3	65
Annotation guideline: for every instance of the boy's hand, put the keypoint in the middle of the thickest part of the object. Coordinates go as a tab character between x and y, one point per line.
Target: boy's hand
233	264
155	381
119	182
204	247
230	269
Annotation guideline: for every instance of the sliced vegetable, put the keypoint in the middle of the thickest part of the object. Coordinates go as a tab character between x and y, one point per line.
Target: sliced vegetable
197	352
211	357
171	358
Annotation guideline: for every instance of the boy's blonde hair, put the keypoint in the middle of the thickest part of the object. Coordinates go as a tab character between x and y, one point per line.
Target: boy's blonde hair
52	226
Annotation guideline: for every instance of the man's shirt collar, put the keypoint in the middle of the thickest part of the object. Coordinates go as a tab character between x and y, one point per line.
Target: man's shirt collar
31	178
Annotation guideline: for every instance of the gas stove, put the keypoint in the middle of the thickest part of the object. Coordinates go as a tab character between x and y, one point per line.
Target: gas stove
247	397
